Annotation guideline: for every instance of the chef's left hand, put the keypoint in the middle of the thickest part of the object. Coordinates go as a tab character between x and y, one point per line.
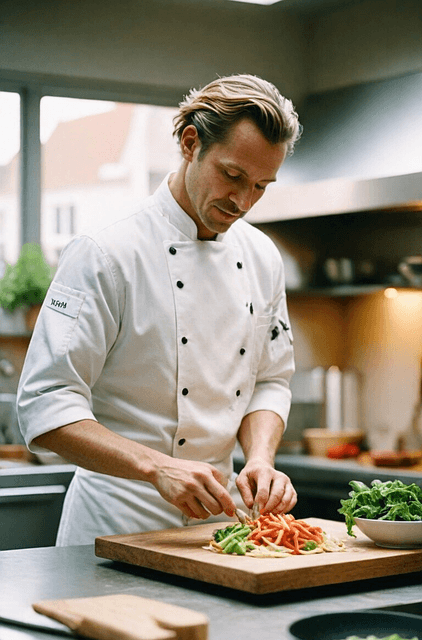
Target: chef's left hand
271	490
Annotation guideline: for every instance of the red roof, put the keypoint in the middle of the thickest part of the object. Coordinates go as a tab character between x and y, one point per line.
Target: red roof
78	148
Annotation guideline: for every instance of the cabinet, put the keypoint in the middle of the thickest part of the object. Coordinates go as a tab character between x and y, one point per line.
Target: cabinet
376	240
31	501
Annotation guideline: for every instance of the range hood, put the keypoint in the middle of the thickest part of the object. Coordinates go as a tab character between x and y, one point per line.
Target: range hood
361	150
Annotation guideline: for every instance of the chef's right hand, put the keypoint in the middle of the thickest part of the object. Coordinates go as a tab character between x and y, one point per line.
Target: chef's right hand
196	488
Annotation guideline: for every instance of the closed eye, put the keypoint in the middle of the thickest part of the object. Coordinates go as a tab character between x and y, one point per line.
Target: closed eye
235	177
232	176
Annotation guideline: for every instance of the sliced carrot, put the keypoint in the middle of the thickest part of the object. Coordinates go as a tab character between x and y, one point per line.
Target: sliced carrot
284	531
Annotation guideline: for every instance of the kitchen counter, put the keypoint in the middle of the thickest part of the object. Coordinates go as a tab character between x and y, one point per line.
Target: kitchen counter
327	470
322	482
29	575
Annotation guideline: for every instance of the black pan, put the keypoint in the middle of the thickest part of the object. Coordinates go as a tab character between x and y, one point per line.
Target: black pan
338	626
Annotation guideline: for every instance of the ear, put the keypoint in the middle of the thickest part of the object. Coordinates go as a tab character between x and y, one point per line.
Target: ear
189	142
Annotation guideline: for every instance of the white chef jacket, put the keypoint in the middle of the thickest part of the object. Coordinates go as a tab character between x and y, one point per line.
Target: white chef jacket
164	339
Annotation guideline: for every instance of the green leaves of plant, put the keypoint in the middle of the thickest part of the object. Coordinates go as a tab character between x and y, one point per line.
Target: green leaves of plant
27	282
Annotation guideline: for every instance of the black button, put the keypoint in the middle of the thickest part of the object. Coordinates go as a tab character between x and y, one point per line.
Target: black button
242	351
251	307
238	392
185	391
173	251
274	333
181	442
239	265
184	340
179	284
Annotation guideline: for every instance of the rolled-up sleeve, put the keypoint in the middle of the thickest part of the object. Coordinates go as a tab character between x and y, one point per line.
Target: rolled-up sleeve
77	325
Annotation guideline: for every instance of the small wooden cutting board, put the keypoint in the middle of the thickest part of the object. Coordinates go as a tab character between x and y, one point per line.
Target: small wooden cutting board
180	552
126	617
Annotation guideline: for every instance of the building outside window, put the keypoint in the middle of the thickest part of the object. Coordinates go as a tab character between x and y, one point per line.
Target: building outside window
9	177
65	220
99	160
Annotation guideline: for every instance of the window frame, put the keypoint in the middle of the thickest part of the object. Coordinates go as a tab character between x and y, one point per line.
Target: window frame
31	89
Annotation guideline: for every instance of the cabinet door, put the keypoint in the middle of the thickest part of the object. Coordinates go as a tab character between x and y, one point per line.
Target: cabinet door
29	516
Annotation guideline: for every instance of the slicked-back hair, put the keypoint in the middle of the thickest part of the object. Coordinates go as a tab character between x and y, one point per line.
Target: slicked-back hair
215	108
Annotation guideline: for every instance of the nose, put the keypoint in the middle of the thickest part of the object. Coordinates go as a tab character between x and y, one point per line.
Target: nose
242	198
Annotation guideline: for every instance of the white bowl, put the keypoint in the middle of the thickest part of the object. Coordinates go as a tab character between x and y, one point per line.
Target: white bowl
391	533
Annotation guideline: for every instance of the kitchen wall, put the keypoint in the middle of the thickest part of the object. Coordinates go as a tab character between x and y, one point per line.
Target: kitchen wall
174	44
163	43
363	42
381	338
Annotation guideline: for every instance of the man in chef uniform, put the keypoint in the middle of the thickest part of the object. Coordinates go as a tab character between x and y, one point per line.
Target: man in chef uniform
164	338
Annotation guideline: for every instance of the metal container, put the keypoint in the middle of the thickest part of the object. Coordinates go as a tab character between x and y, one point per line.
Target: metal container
327	398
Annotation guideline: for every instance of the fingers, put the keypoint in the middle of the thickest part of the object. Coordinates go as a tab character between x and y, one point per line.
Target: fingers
247	489
282	496
194	509
204	504
196	488
217	499
270	489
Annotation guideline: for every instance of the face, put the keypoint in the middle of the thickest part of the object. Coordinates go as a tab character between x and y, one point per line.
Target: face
229	179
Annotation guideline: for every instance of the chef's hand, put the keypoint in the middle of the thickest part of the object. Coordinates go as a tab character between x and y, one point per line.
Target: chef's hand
259	483
196	488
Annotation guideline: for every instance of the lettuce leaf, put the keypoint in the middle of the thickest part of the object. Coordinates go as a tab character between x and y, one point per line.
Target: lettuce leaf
391	500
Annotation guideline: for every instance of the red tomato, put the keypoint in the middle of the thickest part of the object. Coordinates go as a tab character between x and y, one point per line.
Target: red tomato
343	451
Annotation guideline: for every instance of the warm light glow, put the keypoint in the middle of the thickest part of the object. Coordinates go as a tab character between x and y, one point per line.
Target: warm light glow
258	1
391	293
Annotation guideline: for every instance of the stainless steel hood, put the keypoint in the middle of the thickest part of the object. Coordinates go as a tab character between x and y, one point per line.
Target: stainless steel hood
361	150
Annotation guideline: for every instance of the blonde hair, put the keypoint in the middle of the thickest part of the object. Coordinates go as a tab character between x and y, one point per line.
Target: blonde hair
214	109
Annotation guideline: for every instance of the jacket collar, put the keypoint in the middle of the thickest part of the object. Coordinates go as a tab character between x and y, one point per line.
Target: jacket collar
174	213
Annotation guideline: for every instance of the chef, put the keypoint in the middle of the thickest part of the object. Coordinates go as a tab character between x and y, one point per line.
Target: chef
164	338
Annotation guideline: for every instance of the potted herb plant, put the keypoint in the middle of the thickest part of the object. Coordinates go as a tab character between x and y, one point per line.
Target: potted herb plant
24	285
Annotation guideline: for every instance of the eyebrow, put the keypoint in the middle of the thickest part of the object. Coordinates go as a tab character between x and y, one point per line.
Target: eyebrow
236	167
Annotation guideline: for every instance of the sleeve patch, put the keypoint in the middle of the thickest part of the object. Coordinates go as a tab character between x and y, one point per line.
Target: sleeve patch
64	303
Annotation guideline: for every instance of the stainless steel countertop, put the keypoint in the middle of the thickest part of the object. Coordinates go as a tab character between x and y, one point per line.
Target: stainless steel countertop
29	575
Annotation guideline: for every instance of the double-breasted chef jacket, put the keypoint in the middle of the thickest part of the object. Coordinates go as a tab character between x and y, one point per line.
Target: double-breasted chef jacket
164	339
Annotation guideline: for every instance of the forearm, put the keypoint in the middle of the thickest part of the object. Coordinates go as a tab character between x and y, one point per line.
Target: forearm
259	435
90	445
196	488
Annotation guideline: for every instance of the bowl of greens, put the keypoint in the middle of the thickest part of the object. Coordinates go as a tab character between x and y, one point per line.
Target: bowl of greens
389	513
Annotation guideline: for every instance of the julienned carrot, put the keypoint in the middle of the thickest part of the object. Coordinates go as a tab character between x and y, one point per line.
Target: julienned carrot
284	531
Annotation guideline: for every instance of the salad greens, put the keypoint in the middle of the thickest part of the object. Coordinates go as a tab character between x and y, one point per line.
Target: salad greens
391	500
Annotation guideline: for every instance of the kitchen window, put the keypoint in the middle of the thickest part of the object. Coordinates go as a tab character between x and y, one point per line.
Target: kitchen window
9	177
87	159
97	158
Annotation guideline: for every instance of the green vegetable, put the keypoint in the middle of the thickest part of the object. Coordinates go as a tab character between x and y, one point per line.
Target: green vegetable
232	539
310	545
391	500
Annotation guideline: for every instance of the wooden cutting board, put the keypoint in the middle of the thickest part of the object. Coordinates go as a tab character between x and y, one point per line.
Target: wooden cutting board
126	617
180	552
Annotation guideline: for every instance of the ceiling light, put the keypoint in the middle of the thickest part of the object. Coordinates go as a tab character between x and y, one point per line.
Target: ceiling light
258	1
